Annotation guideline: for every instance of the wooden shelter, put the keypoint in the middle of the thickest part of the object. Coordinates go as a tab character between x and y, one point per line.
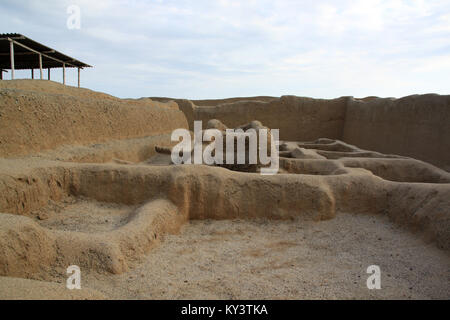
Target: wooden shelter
18	52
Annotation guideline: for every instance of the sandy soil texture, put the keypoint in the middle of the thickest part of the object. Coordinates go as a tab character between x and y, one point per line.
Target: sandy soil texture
87	179
38	115
264	259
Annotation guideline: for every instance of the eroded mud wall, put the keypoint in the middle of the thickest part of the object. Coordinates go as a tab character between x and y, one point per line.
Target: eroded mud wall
416	126
298	118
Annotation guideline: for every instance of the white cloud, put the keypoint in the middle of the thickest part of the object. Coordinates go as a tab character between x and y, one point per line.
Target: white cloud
200	48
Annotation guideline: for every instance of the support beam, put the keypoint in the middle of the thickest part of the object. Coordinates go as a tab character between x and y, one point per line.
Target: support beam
64	73
17	38
79	77
48	73
40	53
11	53
40	66
32	73
26	53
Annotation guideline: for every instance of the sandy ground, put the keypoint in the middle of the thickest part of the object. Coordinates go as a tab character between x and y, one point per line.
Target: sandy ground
284	260
82	215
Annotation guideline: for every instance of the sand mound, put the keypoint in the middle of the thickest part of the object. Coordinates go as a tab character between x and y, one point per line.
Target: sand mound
56	88
32	121
26	248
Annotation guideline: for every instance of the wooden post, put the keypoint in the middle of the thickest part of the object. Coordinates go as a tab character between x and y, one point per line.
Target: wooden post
48	73
64	73
79	77
32	73
1	74
40	66
11	52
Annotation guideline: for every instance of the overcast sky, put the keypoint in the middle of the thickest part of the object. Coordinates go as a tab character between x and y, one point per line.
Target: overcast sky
224	48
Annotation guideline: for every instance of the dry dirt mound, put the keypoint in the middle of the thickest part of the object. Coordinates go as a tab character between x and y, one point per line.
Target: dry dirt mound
51	87
33	121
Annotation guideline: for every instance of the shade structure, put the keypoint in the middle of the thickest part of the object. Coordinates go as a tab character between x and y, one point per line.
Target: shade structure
18	52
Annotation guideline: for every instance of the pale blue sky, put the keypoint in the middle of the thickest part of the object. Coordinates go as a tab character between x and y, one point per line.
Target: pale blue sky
224	48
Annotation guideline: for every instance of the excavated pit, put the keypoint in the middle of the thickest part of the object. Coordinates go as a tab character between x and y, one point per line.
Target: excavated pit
115	213
106	218
140	227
